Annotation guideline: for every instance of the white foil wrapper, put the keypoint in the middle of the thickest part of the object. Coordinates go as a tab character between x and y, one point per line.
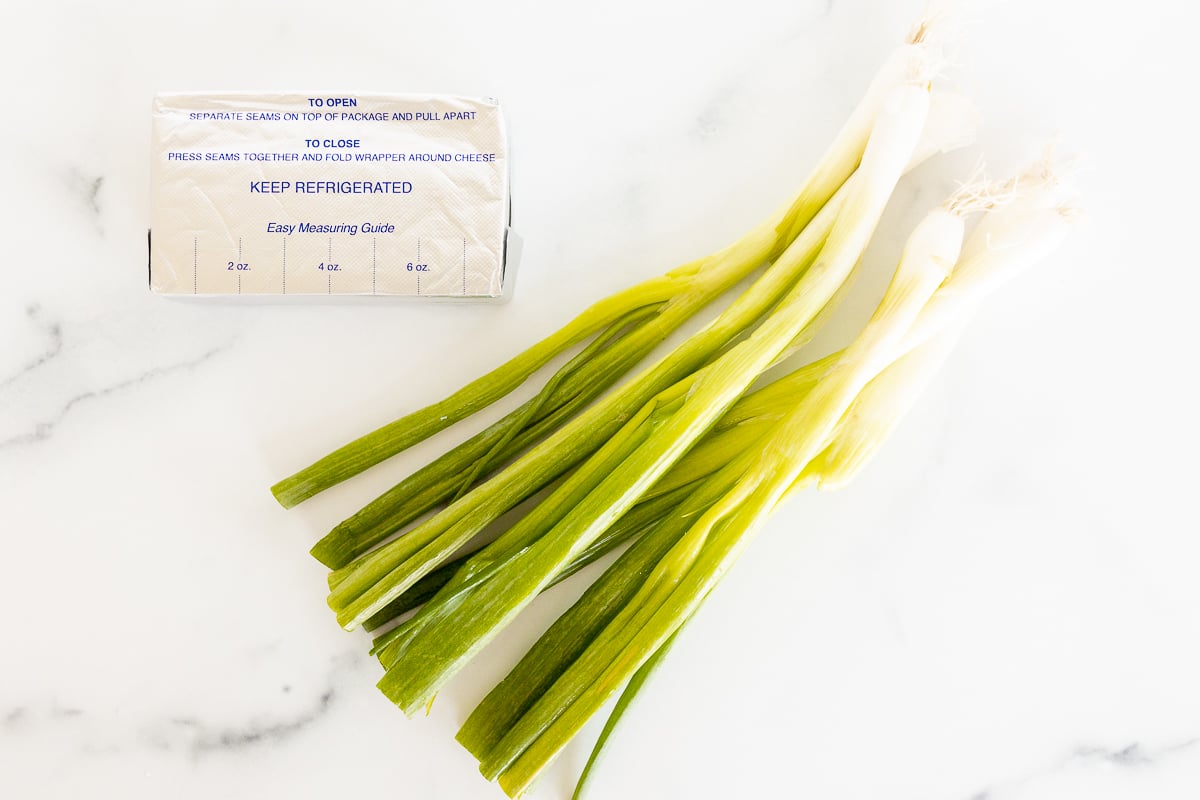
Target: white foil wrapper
328	194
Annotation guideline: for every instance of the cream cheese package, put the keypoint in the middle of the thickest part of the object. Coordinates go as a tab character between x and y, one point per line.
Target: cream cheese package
329	194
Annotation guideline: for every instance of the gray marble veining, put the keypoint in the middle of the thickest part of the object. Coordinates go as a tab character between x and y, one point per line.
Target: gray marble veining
1003	606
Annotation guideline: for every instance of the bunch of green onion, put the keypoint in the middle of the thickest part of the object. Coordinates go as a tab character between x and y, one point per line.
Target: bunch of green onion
683	462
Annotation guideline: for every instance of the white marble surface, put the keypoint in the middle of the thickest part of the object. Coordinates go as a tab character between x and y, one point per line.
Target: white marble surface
1004	606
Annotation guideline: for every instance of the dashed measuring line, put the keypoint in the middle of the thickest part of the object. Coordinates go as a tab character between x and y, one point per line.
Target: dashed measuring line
329	266
195	261
418	261
373	265
285	265
464	265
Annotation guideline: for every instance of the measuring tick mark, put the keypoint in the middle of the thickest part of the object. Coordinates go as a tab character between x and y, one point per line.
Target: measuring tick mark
195	257
285	265
419	268
464	265
373	265
239	248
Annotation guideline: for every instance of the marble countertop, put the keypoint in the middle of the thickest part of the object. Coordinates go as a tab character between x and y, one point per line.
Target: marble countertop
1003	606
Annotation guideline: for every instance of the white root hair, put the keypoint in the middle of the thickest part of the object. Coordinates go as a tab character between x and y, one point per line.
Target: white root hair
936	33
938	22
980	193
1050	171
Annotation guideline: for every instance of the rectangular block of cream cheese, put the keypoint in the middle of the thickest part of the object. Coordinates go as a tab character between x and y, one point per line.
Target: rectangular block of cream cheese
328	194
